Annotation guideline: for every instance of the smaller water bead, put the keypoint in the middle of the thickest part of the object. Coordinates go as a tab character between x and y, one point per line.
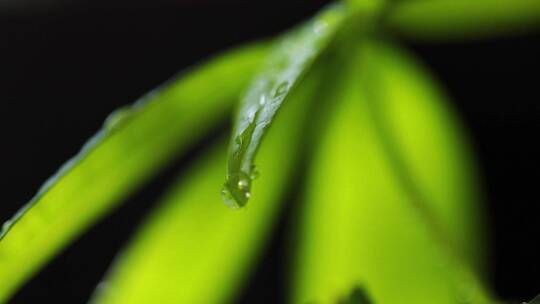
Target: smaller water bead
228	198
5	227
237	189
242	184
291	57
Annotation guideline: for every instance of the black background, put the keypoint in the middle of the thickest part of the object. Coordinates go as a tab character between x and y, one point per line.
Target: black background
64	67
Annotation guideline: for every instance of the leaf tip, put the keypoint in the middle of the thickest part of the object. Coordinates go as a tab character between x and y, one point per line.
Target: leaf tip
237	190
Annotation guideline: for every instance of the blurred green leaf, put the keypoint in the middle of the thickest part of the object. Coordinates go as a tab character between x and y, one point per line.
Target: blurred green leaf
438	20
134	143
426	145
287	63
366	8
194	249
361	224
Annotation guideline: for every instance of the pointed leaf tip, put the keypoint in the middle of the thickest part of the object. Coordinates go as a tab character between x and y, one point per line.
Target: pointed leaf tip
292	56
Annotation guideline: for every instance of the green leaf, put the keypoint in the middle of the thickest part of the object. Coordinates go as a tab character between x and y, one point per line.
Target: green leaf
134	143
427	146
362	223
438	20
366	8
286	64
194	249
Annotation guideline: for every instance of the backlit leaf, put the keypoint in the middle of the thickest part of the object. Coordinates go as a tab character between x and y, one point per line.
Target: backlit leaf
194	249
362	224
134	143
440	20
292	56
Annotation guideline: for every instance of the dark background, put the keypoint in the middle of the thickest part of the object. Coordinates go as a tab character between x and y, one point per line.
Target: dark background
64	66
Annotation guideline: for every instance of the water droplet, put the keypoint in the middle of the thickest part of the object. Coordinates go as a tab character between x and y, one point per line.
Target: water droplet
281	89
5	226
262	100
117	118
242	184
228	198
236	193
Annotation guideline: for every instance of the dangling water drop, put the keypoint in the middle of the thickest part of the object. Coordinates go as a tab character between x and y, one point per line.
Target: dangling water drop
236	191
242	184
228	198
5	227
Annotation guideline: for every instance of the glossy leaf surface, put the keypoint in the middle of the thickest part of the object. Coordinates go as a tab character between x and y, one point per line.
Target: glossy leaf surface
194	249
292	56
